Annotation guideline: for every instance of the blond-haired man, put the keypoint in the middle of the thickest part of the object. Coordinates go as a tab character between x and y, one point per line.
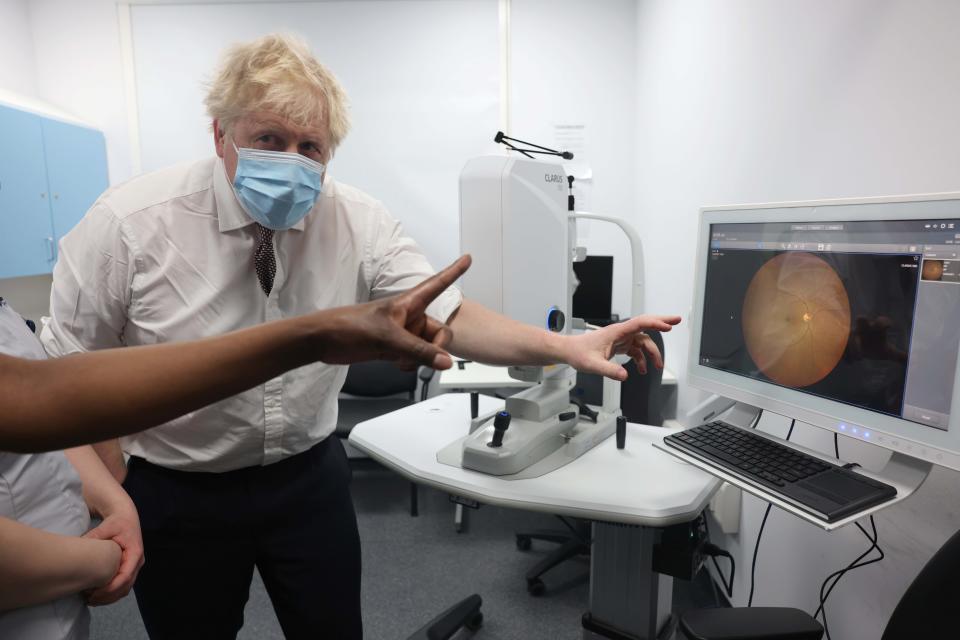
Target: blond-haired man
259	232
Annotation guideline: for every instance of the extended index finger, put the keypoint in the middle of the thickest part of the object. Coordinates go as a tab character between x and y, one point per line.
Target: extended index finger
424	293
630	328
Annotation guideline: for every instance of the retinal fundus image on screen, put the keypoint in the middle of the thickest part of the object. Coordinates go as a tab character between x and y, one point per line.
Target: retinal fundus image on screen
836	325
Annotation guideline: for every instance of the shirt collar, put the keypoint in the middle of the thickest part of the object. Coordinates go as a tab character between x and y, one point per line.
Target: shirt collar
230	213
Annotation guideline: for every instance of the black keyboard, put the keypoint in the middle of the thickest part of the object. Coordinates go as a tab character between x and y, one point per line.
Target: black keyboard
826	490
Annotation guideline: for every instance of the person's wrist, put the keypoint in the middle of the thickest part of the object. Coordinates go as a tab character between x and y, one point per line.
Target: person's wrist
558	348
117	503
103	562
110	561
314	331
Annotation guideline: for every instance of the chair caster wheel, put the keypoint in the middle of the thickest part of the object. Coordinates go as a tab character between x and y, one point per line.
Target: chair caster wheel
524	543
536	587
475	622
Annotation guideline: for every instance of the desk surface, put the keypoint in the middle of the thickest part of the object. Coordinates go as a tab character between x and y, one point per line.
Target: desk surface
637	485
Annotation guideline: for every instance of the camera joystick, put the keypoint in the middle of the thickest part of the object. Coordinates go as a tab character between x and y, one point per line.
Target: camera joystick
501	422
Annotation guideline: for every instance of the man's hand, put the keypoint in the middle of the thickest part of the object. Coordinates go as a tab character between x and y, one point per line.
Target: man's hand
395	328
122	526
591	352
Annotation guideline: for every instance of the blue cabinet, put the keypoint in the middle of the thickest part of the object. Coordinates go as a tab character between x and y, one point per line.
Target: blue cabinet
76	171
26	231
50	174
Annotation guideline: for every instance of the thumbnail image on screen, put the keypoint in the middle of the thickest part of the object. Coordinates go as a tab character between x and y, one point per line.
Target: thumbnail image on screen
833	324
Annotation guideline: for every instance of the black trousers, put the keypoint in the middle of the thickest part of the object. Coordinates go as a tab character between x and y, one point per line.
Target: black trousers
204	533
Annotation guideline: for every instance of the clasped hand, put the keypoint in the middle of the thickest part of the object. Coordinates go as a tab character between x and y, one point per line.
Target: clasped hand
122	527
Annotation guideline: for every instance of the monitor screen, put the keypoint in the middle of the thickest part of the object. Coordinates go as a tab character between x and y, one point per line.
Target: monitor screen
860	311
592	300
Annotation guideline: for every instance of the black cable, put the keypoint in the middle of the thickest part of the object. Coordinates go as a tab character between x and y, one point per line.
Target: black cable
507	140
523	151
713	550
716	592
856	564
756	547
585	411
790	431
837	575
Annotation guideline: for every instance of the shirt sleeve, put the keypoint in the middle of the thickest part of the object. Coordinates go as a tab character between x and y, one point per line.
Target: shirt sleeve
397	264
92	284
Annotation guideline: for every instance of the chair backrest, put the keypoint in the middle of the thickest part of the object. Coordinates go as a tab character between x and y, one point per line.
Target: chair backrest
378	378
927	607
640	397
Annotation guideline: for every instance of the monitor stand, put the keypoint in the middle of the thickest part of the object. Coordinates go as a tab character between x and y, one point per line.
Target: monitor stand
901	471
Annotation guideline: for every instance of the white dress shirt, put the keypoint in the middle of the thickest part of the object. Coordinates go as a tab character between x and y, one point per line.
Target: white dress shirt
168	256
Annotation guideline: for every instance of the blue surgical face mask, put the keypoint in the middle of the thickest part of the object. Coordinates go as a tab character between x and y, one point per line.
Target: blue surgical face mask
275	188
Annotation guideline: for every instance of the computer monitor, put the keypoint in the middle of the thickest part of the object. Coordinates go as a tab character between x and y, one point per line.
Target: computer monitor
843	314
593	297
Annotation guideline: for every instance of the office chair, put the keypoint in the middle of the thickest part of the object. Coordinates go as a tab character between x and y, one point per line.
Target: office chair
373	389
927	609
640	401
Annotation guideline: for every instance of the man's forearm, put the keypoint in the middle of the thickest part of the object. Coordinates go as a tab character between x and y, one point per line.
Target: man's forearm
486	336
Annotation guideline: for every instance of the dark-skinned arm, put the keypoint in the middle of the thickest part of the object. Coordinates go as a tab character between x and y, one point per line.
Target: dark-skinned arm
59	403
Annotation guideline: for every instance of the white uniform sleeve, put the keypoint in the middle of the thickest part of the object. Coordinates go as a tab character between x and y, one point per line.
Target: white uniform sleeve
91	286
397	264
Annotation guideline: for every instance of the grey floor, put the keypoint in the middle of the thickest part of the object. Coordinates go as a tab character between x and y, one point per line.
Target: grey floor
415	567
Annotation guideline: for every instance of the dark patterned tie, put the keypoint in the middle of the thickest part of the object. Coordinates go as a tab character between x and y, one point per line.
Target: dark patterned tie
263	258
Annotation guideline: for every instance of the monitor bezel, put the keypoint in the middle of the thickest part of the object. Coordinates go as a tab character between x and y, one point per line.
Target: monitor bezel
898	434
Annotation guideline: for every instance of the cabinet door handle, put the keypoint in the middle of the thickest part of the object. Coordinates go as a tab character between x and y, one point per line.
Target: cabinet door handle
50	247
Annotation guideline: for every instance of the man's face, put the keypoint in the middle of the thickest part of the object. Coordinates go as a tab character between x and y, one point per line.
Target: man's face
270	132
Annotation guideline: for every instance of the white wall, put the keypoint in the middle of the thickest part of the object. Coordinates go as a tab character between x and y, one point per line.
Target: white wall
79	69
18	68
560	77
753	101
67	54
